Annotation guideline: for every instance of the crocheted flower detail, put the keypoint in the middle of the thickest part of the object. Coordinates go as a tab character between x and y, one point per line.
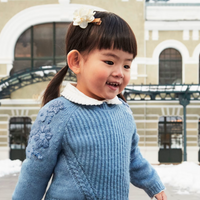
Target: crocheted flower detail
43	136
56	106
46	116
43	115
83	16
34	131
30	151
49	117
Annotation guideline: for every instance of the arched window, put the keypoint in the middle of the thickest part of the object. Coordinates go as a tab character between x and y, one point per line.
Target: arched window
170	67
41	45
19	132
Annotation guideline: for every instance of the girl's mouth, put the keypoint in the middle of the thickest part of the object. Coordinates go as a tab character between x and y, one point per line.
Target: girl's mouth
112	85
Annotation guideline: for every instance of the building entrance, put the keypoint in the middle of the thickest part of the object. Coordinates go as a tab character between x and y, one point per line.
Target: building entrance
19	128
170	139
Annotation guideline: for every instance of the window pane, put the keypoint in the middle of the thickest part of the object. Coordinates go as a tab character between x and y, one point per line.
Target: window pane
170	132
61	30
19	131
61	63
176	141
19	65
43	40
170	67
40	63
47	49
23	45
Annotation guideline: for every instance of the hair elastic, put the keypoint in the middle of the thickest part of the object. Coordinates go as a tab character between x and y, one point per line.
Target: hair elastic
97	21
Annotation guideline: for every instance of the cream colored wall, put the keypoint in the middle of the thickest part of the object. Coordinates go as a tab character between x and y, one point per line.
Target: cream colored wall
170	35
33	91
191	73
3	69
152	74
11	8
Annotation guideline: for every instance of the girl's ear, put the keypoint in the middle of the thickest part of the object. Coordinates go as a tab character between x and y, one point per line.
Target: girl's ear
73	60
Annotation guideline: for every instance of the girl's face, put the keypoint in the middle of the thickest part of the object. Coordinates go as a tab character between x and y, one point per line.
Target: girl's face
104	73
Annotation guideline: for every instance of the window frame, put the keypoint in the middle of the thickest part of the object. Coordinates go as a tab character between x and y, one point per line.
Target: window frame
32	58
168	61
26	124
165	134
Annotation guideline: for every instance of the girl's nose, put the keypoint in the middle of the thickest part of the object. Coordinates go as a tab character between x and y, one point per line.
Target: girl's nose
118	72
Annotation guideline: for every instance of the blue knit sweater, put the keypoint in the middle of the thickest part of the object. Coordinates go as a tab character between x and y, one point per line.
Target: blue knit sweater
92	152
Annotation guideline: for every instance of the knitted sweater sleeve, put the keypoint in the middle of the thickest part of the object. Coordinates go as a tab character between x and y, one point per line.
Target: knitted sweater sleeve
42	152
142	174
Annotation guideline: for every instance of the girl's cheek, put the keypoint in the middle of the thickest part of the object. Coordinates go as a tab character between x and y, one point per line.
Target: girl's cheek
127	78
101	74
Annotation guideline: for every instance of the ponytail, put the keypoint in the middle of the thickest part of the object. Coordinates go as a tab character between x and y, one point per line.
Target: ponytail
53	89
121	97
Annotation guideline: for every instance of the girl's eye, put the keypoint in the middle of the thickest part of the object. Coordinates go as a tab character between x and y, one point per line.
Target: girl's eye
126	66
109	62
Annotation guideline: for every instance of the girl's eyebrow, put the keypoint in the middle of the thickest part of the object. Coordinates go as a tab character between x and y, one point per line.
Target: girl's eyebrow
116	57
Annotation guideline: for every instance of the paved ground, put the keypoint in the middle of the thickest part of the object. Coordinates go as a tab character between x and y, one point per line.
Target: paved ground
7	185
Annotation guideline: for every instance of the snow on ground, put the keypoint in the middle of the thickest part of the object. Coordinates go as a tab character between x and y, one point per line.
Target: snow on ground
184	177
9	167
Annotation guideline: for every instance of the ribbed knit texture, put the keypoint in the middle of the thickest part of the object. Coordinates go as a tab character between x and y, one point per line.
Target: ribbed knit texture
89	149
107	144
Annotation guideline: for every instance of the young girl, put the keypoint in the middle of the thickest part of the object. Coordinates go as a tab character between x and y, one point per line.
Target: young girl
86	138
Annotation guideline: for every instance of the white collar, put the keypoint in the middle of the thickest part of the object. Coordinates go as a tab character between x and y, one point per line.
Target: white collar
71	93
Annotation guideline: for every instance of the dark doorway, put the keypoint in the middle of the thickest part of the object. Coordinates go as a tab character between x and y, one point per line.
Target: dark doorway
19	128
170	139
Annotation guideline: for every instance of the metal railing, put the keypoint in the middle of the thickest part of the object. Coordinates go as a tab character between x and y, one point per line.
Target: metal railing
26	77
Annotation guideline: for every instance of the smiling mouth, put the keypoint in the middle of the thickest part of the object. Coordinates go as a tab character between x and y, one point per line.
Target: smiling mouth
113	84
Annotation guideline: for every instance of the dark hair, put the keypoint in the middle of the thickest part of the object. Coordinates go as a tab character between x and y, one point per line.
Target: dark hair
113	32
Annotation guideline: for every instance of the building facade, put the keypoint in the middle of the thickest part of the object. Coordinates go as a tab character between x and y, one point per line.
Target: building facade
32	36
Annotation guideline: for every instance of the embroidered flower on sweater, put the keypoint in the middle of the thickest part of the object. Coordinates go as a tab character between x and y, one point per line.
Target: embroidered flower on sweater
56	106
30	150
34	131
43	115
43	136
46	116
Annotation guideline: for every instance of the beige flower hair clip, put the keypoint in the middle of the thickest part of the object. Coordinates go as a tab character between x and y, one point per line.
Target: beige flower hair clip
83	16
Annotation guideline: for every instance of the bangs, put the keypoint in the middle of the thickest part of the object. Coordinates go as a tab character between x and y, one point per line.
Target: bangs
113	33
